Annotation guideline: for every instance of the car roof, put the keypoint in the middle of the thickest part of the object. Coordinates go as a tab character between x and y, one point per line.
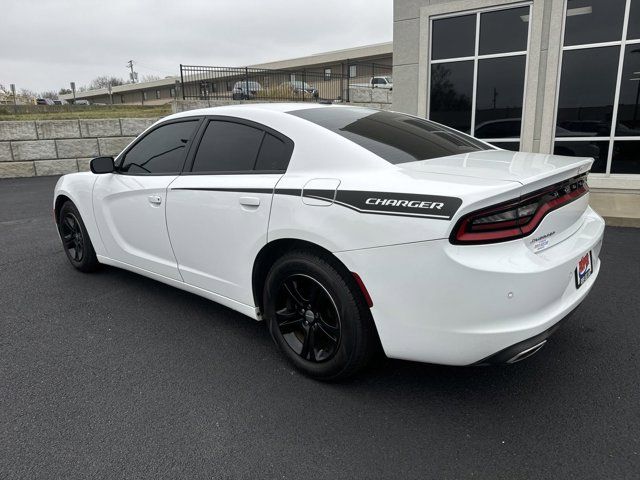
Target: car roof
246	108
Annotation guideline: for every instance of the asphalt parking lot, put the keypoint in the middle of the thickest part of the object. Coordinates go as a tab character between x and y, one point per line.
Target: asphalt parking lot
111	375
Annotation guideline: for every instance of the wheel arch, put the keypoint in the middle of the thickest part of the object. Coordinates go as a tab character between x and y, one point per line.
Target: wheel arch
60	200
275	249
77	188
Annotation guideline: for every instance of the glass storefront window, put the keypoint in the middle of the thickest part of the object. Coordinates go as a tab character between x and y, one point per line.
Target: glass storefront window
626	157
597	150
513	146
628	123
599	95
593	21
633	32
587	89
486	50
499	97
454	37
504	31
451	93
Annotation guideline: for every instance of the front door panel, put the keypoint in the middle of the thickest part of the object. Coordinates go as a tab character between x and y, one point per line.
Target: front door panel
130	213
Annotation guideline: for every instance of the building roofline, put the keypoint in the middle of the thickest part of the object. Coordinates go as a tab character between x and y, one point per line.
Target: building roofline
127	87
334	56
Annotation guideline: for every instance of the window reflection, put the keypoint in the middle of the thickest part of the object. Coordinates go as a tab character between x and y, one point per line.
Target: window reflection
633	30
597	150
453	37
626	157
587	89
451	93
498	81
593	21
628	123
499	97
513	146
504	31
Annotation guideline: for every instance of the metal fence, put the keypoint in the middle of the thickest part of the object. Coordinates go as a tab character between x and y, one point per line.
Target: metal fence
240	83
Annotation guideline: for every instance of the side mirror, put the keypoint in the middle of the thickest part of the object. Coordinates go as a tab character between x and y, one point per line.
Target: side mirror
102	165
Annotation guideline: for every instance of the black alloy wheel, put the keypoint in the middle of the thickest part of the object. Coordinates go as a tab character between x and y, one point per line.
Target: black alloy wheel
72	238
75	239
317	315
308	318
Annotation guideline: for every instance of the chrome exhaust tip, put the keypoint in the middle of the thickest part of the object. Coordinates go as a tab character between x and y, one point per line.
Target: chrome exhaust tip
527	353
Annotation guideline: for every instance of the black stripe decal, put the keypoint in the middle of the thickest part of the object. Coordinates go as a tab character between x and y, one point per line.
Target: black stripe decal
368	202
237	190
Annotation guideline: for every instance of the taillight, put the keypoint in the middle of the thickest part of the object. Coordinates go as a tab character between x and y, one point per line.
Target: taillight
516	218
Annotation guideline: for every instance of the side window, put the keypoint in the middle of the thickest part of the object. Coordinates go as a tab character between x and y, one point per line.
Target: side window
227	147
274	154
161	151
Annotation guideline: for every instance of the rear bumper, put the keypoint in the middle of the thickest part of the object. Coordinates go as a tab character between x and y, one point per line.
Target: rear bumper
460	305
525	348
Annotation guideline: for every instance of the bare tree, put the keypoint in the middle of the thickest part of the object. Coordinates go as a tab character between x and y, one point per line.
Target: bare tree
25	92
104	81
49	94
151	78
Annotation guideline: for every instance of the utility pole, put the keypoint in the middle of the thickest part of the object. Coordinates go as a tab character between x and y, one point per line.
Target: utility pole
133	75
15	100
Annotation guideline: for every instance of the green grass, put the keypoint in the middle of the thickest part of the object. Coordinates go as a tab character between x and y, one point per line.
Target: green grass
71	112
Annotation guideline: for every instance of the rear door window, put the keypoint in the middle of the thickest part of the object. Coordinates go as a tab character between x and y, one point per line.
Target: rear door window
274	154
227	147
233	147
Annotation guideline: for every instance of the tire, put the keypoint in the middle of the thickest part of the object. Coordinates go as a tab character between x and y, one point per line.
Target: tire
317	316
75	239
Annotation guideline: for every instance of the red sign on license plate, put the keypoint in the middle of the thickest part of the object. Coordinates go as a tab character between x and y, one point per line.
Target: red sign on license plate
584	269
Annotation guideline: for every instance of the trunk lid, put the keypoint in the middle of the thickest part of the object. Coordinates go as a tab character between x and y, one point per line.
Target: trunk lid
525	168
533	171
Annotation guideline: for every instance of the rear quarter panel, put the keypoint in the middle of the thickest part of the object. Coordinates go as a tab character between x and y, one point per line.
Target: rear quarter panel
338	228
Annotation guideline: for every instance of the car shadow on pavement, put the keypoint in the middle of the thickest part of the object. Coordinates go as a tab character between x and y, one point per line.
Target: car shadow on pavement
207	319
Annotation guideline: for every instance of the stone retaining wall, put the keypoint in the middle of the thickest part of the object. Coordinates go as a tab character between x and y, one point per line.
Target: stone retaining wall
370	95
56	147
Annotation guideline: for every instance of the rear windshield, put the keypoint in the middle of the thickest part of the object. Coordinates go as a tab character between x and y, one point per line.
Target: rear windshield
396	137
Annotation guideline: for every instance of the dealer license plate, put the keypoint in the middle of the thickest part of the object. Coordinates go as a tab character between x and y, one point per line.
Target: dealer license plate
584	269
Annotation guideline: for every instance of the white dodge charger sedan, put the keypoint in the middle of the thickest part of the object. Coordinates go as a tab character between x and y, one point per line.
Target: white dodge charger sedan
345	229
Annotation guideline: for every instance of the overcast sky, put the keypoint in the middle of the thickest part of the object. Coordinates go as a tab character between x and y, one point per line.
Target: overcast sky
48	43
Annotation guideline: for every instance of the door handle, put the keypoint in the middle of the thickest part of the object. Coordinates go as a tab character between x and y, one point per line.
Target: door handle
250	201
155	199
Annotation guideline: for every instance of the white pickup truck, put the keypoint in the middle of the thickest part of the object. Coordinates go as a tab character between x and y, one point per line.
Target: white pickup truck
383	81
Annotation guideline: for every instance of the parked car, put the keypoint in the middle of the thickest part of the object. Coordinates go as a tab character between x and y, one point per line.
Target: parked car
384	81
297	87
60	102
44	101
378	228
502	128
82	102
246	90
